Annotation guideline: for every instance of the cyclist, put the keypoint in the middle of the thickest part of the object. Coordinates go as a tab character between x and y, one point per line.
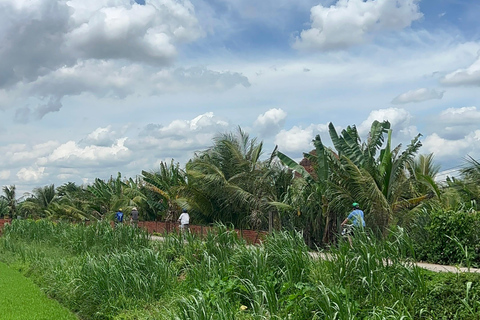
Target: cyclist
356	218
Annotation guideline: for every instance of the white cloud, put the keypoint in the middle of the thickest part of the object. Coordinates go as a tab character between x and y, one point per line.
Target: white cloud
270	122
101	137
400	121
122	30
464	77
55	48
455	123
31	174
418	95
298	139
70	153
460	116
453	149
22	154
180	138
350	22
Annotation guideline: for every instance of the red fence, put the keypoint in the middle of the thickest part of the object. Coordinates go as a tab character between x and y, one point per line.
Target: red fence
251	236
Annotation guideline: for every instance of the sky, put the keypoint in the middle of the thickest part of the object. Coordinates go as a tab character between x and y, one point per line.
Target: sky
90	88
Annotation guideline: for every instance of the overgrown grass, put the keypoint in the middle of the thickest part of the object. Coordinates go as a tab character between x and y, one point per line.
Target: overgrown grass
20	299
221	277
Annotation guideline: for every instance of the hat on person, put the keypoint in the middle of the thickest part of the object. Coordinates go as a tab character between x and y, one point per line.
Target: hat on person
355	205
120	209
184	210
134	208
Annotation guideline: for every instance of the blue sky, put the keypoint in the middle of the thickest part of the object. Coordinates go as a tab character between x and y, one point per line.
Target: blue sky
89	88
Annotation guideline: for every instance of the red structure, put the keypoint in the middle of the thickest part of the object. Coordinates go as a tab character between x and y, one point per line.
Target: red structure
157	227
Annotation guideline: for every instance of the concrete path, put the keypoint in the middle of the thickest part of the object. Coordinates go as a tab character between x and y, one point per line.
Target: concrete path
424	265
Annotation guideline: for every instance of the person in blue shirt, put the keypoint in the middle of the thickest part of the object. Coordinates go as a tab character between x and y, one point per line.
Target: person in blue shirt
119	216
356	218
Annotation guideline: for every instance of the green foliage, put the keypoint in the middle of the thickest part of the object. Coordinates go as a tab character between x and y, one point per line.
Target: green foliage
459	295
448	237
220	277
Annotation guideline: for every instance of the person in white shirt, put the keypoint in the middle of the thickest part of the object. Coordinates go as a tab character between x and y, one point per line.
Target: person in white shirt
184	220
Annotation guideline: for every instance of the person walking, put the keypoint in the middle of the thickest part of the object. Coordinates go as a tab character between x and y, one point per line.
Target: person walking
119	216
134	217
184	220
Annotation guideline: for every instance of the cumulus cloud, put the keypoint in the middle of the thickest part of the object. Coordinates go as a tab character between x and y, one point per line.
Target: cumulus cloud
445	149
351	22
69	154
103	137
418	95
455	123
270	122
23	155
180	138
400	120
51	49
464	77
298	139
40	37
31	174
126	30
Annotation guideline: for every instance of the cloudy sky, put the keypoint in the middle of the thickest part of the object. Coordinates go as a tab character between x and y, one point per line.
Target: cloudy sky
89	88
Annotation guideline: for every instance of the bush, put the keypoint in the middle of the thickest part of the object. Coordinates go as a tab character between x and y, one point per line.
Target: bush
452	296
448	237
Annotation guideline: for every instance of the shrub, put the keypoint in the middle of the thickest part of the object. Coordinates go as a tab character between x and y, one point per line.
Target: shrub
448	237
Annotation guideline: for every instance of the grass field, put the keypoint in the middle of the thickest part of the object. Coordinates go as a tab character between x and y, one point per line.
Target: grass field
21	299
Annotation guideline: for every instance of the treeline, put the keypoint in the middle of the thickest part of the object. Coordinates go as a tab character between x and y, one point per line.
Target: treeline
230	183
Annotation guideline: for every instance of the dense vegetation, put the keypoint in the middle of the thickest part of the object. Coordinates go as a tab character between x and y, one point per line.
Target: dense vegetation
122	275
231	184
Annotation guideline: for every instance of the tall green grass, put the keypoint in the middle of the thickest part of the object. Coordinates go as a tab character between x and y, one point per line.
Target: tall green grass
122	275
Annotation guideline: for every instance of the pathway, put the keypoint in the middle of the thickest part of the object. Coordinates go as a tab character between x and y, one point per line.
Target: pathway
424	265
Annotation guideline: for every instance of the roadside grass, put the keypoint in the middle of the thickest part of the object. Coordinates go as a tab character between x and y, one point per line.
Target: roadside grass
21	299
103	273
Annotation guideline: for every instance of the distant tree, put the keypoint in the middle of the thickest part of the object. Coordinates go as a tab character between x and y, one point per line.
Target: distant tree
9	195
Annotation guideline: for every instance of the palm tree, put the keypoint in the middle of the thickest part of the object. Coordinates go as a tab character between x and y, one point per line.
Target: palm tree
163	190
229	182
361	172
464	191
375	177
38	203
10	199
106	197
307	199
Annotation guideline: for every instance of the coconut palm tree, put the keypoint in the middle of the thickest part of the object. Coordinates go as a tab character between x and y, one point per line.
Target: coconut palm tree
231	183
37	204
163	190
106	197
9	195
465	190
